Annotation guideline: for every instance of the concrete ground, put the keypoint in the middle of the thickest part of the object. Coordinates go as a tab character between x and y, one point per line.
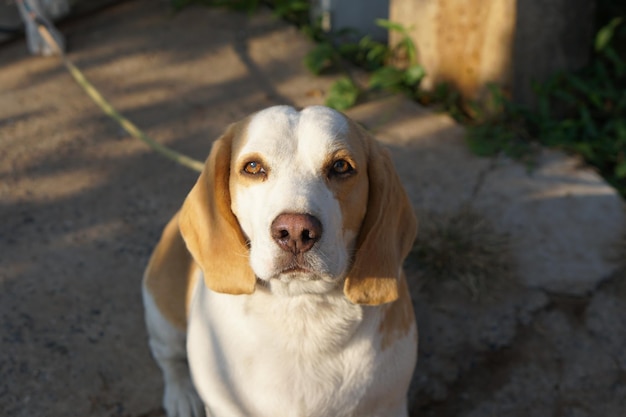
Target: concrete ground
82	205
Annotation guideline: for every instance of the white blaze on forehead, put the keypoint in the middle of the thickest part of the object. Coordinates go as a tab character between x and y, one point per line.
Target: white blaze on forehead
318	134
319	123
269	128
282	131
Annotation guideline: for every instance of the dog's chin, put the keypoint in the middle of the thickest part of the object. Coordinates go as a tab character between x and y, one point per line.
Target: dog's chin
300	281
296	287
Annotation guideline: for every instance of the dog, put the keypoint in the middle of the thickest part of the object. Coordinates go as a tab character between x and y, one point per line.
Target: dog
278	288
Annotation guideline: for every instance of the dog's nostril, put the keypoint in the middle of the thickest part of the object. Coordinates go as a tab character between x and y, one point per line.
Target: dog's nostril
308	235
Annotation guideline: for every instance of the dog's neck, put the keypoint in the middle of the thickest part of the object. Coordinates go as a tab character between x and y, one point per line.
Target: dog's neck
306	322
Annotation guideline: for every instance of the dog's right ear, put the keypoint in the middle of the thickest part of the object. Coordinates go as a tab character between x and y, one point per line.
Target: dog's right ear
387	232
211	230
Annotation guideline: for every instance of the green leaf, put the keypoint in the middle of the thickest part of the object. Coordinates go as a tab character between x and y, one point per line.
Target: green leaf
376	52
292	5
343	94
319	58
409	47
488	140
386	78
283	9
620	170
389	25
620	130
566	97
482	147
605	34
583	148
588	122
414	74
616	60
580	84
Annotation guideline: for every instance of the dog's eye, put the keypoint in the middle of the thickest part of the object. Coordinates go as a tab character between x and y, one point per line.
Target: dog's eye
254	168
341	167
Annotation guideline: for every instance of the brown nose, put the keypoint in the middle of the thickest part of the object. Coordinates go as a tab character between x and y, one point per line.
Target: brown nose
296	233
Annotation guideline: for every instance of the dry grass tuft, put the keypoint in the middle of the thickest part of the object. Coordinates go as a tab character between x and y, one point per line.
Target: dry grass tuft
463	247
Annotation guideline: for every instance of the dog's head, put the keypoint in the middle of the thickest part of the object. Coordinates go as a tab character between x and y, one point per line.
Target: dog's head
302	201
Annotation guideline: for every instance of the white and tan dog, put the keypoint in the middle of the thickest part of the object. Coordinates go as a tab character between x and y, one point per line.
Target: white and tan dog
278	288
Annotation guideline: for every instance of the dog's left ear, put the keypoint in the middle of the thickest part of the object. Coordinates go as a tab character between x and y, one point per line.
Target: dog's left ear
211	230
386	235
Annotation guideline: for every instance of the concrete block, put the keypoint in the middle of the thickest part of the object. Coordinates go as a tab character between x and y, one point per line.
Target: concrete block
511	43
467	44
552	213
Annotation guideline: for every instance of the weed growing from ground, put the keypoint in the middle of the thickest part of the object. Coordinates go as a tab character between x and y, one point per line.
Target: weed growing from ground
463	247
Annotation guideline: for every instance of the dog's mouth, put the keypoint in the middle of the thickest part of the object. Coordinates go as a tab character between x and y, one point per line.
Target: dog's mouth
297	275
294	268
300	263
312	266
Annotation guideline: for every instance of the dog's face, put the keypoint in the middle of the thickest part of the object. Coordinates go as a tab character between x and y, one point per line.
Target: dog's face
299	189
303	201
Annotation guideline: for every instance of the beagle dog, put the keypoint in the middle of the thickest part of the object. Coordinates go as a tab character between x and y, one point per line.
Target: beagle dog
278	289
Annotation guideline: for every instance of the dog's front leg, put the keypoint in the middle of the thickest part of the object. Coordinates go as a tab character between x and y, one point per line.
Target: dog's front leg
168	346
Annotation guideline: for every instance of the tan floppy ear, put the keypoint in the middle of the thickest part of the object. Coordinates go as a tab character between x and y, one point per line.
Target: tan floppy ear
209	227
386	236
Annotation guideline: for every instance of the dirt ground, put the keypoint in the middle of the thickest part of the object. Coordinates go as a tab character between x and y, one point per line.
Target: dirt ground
82	205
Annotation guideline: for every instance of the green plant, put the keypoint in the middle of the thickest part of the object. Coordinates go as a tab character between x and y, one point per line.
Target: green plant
320	58
503	129
295	11
343	94
583	112
326	55
462	247
405	46
404	78
369	54
595	126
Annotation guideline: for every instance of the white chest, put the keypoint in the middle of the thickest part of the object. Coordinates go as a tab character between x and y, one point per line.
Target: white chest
263	355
